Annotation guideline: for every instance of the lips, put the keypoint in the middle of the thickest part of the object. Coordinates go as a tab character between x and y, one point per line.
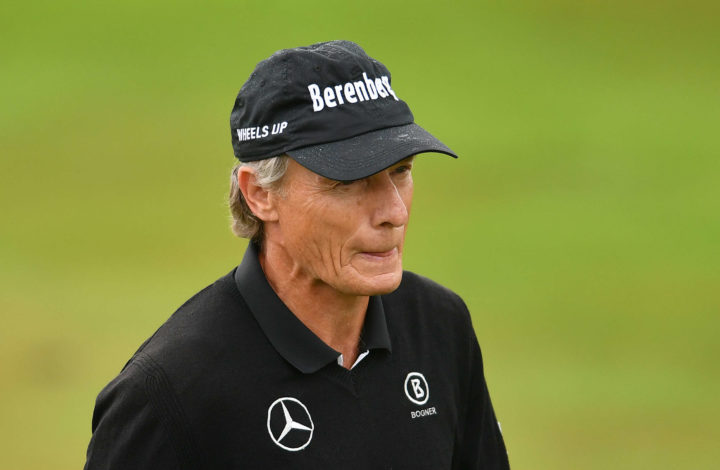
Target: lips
381	254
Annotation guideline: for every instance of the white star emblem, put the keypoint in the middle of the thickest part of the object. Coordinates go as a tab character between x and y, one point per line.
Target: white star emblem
288	440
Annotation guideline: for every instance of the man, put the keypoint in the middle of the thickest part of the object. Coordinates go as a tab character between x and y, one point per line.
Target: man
318	351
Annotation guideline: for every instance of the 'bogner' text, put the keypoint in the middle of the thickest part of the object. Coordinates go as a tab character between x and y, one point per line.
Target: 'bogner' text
350	92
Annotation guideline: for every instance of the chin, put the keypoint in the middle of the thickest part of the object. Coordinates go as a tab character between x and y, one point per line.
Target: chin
380	284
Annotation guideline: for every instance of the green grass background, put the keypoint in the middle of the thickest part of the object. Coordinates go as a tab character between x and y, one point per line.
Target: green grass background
580	223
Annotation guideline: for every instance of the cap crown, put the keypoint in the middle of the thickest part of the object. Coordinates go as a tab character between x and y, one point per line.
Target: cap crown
312	95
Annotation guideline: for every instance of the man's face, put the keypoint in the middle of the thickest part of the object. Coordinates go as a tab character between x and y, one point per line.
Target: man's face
347	235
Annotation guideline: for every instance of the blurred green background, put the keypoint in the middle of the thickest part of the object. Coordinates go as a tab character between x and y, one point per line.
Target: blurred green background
581	223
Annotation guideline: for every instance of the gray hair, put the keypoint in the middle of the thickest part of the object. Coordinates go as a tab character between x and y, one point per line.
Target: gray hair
268	175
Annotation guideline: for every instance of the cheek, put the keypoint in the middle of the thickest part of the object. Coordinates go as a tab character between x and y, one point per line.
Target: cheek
317	236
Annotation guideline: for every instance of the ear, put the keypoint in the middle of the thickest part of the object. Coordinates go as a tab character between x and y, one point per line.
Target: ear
259	200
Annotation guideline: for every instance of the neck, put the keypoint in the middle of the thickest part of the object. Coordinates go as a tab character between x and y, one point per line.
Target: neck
339	320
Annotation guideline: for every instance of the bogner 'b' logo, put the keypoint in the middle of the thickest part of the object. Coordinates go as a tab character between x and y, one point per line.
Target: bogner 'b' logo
416	388
289	424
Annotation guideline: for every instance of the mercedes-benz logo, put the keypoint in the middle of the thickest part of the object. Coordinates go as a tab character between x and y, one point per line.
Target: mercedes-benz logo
289	424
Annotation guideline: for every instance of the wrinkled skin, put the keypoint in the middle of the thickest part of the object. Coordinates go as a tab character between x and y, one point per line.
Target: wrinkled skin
345	236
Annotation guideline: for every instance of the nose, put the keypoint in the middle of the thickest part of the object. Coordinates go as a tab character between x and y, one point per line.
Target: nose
391	210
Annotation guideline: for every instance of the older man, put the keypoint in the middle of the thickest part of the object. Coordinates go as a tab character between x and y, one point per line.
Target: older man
318	351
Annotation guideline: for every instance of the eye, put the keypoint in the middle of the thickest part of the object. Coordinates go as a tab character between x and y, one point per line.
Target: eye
344	185
402	169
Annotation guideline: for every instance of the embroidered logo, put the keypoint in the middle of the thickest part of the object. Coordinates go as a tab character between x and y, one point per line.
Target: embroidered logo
416	388
289	424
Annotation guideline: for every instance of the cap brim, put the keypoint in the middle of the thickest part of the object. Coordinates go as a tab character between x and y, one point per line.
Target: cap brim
366	154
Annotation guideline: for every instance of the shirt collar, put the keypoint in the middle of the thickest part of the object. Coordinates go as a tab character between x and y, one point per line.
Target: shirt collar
288	335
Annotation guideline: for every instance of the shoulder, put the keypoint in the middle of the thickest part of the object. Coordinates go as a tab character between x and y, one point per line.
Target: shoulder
420	303
423	294
207	326
213	301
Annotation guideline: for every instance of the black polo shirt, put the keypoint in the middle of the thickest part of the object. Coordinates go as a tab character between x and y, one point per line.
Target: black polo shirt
234	380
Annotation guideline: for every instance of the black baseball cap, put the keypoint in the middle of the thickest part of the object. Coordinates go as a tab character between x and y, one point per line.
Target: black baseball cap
331	108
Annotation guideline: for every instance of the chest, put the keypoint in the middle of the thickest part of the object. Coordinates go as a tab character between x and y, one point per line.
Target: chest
380	415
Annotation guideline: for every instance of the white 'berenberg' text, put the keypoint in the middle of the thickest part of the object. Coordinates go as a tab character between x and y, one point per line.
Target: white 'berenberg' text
350	92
